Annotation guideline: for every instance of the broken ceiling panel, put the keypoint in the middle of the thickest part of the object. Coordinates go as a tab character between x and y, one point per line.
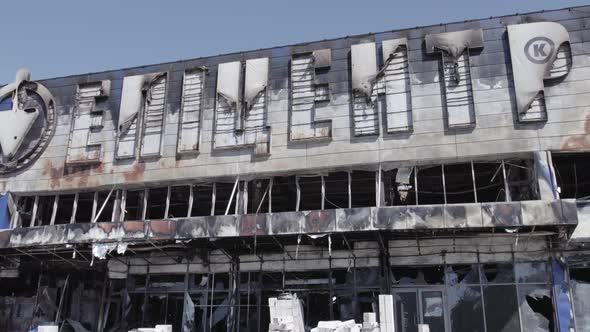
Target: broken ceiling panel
240	121
458	90
189	127
539	51
86	140
307	94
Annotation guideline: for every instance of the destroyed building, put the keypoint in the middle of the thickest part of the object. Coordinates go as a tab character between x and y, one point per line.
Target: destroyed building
446	165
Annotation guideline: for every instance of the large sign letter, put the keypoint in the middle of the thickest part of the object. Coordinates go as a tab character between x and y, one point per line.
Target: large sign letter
393	80
85	144
458	88
306	93
240	113
539	51
189	122
142	115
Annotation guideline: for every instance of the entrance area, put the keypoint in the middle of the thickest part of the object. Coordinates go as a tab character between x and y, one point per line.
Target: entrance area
416	307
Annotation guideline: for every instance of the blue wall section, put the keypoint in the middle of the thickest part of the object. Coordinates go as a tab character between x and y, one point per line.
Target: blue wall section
4	218
562	301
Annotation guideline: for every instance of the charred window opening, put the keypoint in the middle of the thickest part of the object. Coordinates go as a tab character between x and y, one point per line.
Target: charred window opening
572	172
521	180
336	190
156	203
105	205
84	210
362	188
400	188
179	201
489	181
202	200
134	205
223	195
258	196
284	194
311	193
430	185
65	206
428	275
25	209
44	210
459	183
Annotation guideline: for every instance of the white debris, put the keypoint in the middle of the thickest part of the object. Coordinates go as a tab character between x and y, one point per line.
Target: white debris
286	314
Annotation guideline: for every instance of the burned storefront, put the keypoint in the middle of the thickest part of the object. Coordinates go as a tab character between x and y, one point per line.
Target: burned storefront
429	179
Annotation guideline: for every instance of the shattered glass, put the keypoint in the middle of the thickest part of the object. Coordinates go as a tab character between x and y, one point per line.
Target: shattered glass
536	308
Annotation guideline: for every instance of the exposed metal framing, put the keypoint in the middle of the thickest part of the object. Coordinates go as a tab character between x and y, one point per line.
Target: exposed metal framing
298	202
474	183
506	186
323	192
444	182
191	200
75	208
213	197
416	183
349	189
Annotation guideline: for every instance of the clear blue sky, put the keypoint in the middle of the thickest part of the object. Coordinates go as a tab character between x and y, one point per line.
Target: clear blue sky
66	37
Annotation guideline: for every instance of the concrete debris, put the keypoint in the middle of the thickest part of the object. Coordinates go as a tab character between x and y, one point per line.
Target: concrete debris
337	326
286	314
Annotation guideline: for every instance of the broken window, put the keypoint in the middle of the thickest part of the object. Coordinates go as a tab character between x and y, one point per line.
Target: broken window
258	196
85	207
532	272
464	298
501	308
44	210
489	182
522	182
459	183
65	206
580	282
223	196
311	193
25	210
362	189
399	186
427	275
202	200
430	185
284	194
497	273
536	308
134	205
572	172
336	190
179	201
156	203
105	205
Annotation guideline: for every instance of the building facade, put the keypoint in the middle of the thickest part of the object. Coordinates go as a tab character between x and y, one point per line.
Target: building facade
446	165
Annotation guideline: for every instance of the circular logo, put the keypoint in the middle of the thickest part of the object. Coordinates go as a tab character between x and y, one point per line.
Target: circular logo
27	122
539	50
